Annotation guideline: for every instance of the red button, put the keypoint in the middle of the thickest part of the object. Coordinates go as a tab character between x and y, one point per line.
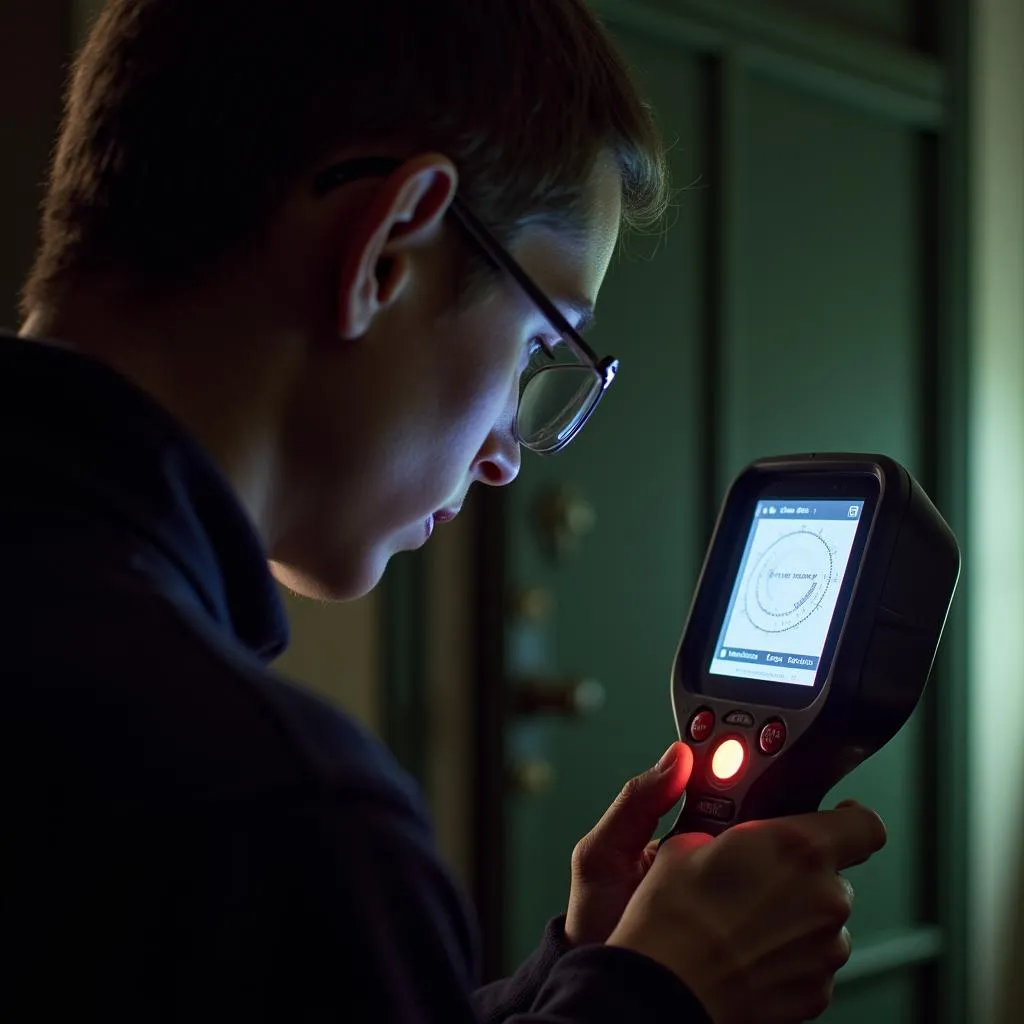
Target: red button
701	725
728	759
773	737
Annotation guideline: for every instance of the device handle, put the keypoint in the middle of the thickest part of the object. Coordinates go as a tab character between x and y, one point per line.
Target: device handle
791	786
688	821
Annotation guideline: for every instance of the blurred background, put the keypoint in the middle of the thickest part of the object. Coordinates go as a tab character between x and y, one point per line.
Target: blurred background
844	270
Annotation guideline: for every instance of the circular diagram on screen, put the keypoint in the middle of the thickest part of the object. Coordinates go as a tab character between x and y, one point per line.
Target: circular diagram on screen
789	581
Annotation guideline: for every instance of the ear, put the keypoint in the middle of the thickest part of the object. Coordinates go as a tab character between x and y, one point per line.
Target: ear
406	213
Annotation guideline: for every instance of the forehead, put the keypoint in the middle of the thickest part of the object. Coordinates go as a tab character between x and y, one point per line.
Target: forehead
571	265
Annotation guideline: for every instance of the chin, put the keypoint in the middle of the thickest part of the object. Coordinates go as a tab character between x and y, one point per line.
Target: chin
330	582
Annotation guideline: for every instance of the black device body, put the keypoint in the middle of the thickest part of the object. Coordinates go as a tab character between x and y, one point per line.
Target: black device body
874	593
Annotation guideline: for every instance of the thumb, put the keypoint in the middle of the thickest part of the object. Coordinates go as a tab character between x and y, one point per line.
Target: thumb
628	825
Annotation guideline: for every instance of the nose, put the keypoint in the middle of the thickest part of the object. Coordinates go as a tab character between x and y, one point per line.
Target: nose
498	461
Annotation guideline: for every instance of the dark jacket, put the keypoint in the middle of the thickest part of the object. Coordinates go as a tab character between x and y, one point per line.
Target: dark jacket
186	836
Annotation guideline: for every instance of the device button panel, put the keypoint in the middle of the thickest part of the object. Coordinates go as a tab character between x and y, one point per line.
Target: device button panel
741	719
713	807
702	725
728	759
772	738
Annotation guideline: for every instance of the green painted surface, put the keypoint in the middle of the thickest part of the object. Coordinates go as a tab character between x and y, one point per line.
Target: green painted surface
826	356
886	999
889	19
826	298
823	351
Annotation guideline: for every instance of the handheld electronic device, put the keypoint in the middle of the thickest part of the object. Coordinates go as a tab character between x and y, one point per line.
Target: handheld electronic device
811	635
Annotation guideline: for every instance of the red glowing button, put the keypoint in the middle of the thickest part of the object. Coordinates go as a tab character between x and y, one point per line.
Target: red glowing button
728	759
701	725
773	737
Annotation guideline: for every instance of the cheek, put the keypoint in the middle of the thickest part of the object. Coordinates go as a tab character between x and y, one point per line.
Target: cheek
428	461
482	393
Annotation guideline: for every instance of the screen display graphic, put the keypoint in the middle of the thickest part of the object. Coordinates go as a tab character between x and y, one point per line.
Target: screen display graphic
786	590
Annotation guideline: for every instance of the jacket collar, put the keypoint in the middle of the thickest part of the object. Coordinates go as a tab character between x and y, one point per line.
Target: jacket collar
118	456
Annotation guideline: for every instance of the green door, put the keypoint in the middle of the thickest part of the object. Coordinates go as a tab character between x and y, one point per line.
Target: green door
786	310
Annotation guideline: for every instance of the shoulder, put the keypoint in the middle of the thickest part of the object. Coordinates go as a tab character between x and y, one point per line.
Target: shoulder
148	702
339	755
287	737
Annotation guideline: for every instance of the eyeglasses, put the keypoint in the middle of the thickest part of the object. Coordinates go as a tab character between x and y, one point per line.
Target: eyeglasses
563	383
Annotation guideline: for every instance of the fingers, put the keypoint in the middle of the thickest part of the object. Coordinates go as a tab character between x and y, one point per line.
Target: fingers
807	977
672	772
844	948
855	832
847	890
634	815
684	843
626	828
772	895
845	837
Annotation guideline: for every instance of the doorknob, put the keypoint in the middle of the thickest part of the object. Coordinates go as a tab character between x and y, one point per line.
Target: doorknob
563	519
531	604
532	776
571	697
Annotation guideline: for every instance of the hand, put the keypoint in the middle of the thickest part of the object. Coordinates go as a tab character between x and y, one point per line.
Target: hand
613	858
753	922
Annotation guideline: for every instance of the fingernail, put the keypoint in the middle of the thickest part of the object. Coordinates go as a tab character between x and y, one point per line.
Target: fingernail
668	759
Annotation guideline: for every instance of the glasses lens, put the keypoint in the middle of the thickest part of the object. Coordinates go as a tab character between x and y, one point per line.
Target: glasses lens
554	404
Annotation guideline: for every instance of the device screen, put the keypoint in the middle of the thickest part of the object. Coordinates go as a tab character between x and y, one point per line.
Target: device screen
786	588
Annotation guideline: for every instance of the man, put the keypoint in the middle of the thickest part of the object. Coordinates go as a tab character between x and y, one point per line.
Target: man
309	270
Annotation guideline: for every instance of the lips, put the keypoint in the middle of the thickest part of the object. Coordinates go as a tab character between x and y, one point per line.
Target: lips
445	515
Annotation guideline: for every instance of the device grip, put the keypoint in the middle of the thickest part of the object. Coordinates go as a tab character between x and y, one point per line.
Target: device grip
688	821
701	812
710	814
795	785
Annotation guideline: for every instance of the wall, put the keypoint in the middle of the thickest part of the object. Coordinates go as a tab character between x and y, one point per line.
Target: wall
335	651
450	681
33	35
994	554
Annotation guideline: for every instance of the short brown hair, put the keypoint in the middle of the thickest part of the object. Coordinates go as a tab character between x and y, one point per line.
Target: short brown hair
188	121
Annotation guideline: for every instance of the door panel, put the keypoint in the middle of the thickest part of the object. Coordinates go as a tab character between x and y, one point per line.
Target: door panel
825	355
826	300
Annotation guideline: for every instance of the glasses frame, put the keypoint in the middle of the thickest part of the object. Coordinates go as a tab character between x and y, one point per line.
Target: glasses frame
605	369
